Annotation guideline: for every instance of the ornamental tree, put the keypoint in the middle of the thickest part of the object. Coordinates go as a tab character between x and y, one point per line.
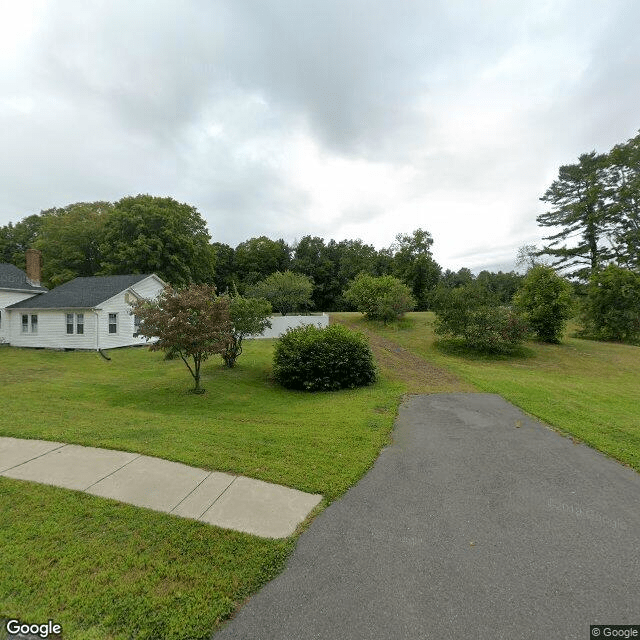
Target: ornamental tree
249	316
192	323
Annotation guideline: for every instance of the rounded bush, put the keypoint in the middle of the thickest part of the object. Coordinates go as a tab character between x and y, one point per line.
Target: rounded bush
314	359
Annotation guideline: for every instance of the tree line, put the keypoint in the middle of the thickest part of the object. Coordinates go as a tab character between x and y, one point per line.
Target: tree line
145	234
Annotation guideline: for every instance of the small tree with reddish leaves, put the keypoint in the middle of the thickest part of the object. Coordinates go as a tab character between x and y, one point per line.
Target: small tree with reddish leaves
192	323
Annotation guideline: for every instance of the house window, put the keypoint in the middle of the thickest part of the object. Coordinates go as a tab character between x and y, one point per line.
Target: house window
25	323
113	323
79	323
136	326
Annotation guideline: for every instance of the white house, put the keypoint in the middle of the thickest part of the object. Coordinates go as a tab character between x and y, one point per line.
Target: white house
85	313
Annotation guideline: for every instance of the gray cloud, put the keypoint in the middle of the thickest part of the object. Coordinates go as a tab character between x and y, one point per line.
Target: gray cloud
227	104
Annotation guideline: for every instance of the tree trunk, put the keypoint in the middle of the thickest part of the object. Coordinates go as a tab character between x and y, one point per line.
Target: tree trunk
196	375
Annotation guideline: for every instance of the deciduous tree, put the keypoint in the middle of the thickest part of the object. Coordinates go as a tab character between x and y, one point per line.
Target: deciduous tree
148	234
249	316
380	298
612	309
286	291
414	265
70	238
191	322
545	301
257	258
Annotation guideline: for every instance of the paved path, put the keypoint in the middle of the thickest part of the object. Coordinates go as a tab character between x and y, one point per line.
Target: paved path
232	502
477	522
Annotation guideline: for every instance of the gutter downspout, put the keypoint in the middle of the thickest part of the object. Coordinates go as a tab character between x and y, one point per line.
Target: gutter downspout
98	349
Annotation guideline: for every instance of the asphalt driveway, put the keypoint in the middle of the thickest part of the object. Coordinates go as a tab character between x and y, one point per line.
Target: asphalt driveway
477	522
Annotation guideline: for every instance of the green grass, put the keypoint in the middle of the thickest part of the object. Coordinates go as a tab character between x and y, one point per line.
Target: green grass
243	424
108	570
589	390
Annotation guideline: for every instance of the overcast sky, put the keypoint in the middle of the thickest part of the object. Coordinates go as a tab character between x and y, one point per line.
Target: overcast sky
335	118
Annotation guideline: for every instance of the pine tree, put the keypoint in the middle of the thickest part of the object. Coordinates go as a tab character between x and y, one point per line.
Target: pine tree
579	200
624	184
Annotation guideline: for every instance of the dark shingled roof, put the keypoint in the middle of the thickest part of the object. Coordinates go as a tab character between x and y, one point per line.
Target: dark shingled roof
13	279
81	293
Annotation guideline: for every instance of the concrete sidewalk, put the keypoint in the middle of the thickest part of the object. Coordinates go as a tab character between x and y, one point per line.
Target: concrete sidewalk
231	502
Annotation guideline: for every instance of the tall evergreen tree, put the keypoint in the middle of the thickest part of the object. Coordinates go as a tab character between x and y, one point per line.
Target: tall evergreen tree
578	198
624	184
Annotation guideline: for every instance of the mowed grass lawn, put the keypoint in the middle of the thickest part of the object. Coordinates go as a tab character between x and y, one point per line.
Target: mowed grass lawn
107	570
589	390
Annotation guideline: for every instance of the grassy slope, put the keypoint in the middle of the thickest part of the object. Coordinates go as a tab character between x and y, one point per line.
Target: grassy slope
108	570
588	389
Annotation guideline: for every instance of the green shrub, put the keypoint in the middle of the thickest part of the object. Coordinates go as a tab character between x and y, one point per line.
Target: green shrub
545	301
469	313
380	298
313	359
612	308
495	330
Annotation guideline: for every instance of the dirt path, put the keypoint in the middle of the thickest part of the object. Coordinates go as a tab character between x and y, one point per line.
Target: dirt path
420	375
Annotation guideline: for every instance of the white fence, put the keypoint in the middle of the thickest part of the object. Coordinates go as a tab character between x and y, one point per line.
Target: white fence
280	324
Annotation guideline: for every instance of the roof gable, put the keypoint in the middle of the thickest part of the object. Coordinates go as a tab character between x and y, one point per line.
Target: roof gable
14	279
81	293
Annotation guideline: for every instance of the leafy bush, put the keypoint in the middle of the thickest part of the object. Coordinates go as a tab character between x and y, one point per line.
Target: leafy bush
612	309
495	330
314	359
380	298
466	312
545	301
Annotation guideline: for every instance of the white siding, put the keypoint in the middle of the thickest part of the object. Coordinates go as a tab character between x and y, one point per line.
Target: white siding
7	298
151	288
52	329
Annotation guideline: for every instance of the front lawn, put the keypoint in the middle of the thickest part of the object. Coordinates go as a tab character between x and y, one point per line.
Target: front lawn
109	570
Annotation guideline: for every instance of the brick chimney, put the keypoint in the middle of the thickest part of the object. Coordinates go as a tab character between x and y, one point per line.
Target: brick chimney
34	266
